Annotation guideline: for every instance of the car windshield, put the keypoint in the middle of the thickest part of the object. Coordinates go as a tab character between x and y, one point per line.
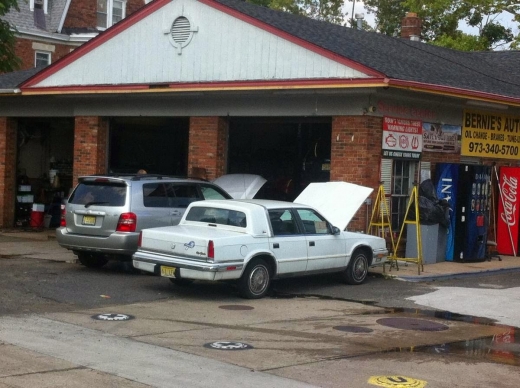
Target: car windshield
96	193
217	216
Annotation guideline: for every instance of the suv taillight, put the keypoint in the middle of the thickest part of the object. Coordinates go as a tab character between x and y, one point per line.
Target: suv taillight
140	241
63	221
127	222
211	250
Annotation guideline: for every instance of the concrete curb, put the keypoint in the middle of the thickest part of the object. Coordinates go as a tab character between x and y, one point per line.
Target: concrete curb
455	275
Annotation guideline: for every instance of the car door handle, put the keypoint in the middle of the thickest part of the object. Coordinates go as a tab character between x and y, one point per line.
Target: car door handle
175	213
312	243
276	245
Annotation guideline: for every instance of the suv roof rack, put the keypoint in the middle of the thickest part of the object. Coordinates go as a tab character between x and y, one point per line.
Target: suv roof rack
138	177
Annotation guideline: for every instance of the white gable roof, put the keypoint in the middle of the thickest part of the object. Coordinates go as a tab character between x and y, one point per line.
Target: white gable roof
222	48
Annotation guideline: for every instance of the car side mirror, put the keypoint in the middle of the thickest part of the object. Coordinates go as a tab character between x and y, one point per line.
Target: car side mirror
335	230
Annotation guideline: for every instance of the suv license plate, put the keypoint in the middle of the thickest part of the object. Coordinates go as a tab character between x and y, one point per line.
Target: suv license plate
89	220
168	272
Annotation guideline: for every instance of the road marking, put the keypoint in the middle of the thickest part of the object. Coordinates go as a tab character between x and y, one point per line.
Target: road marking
396	382
130	359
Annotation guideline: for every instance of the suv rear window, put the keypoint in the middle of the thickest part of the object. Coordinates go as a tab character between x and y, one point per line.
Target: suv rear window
178	194
217	216
99	193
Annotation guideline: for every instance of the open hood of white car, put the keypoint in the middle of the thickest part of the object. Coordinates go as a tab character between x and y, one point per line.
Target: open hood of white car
241	186
337	201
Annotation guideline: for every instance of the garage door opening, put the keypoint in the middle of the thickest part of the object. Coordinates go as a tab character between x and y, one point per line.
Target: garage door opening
290	153
157	145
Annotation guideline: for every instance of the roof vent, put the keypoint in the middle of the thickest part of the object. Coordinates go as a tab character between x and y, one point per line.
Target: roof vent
181	33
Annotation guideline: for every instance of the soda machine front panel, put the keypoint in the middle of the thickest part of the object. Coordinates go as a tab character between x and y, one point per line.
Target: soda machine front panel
508	211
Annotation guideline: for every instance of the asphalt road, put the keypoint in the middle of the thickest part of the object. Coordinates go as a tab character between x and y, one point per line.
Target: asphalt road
32	285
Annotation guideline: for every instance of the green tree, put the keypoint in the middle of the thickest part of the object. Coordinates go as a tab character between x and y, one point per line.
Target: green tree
326	10
441	20
8	59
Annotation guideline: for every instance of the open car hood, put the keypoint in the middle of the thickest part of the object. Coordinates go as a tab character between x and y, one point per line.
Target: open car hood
337	201
241	186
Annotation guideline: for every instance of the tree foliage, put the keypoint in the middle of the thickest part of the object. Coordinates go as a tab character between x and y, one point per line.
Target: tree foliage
325	10
8	59
441	20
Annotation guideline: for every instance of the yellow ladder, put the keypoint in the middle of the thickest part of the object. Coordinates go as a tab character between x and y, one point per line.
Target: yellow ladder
380	221
414	200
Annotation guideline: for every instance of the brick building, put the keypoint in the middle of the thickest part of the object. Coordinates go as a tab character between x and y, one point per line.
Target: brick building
47	30
225	86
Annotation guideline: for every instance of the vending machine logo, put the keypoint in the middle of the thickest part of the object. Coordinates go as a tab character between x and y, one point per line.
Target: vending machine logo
509	193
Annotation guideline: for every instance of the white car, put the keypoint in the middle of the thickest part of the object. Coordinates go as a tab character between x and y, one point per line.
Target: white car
255	241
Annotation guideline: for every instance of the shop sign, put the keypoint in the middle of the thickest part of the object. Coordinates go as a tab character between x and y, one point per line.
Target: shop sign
402	138
490	135
439	137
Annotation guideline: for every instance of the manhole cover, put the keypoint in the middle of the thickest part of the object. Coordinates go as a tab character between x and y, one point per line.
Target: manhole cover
236	307
228	345
112	317
353	329
412	324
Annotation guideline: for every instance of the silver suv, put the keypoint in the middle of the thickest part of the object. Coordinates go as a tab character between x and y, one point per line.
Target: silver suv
103	216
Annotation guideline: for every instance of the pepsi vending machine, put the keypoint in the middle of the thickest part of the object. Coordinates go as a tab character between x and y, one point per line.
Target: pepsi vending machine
466	187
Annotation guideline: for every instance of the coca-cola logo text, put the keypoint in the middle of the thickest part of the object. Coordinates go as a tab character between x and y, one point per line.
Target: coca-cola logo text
509	193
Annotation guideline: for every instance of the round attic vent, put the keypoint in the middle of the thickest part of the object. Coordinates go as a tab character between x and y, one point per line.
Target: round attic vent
181	32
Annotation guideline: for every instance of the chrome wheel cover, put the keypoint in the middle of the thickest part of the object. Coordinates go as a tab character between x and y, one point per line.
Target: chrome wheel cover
258	279
360	268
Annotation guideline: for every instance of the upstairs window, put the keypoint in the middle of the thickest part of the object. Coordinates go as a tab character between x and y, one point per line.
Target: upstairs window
110	12
42	59
39	5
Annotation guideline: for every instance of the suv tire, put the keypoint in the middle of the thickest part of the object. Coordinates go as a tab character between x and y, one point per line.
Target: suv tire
92	260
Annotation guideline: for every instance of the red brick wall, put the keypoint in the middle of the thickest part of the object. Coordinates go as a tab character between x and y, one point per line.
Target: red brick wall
356	155
208	145
25	51
90	146
7	170
82	13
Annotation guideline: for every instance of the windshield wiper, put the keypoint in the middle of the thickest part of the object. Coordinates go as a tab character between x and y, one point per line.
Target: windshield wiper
96	203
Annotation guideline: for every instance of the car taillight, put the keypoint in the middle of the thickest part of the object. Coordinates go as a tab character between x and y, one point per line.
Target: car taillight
211	250
63	221
140	241
127	222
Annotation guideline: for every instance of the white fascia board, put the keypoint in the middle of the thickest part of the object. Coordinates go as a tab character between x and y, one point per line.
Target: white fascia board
64	15
10	91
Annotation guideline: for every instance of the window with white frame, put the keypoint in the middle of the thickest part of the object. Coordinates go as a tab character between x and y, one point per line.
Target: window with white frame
39	4
42	59
109	12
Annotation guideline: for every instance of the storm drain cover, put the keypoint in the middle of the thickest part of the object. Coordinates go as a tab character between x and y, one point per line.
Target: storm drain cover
112	317
412	324
353	329
236	307
228	345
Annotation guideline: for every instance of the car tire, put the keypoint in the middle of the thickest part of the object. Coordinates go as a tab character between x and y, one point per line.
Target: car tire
357	268
181	282
92	260
255	280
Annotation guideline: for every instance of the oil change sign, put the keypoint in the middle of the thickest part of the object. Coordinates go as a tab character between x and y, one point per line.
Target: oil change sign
402	138
490	135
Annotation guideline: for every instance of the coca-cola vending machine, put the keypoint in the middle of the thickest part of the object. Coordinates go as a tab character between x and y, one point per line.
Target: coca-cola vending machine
466	188
508	211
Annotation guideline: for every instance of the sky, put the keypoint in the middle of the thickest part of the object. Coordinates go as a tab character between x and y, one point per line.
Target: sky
504	19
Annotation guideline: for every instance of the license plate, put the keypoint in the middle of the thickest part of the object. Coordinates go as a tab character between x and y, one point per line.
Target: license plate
168	272
89	220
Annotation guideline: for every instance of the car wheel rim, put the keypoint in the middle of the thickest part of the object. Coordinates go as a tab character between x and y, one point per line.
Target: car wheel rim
360	268
258	280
